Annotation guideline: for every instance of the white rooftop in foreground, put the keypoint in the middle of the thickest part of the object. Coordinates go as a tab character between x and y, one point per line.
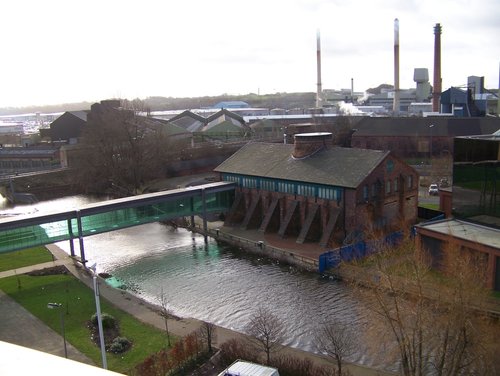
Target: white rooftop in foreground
19	360
243	368
466	230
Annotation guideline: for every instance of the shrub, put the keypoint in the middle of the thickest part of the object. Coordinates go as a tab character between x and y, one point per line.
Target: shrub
108	321
236	349
289	365
119	345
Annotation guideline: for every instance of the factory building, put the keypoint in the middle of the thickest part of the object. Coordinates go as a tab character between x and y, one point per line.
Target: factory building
475	225
313	192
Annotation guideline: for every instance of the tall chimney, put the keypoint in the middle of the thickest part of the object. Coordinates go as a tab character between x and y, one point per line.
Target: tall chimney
436	90
318	63
352	90
395	107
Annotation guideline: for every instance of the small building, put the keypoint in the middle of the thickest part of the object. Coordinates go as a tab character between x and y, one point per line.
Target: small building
475	202
18	160
244	368
314	192
68	127
189	121
224	125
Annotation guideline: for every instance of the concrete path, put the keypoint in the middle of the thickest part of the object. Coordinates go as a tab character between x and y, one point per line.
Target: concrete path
20	327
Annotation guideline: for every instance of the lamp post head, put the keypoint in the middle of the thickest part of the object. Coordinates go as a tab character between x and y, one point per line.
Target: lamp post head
53	305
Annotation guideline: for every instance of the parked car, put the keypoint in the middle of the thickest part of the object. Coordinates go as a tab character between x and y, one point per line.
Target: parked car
433	189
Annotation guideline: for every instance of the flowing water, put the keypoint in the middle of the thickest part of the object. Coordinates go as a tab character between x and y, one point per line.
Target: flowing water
216	282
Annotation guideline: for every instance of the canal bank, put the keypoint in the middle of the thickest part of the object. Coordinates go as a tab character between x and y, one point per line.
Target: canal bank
304	256
150	313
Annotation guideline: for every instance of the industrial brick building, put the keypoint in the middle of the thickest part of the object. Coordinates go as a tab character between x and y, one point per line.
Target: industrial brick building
417	137
313	192
68	127
475	207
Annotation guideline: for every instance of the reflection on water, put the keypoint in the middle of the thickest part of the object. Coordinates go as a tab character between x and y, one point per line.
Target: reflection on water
216	282
221	284
63	203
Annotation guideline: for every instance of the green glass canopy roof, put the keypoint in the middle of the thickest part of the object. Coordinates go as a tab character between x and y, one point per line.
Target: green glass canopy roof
19	233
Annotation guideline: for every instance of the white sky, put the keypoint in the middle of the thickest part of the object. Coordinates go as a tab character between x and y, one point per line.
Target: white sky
88	50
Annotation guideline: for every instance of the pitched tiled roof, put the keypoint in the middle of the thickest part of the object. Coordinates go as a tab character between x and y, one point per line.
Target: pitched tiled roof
190	114
171	129
225	113
343	167
80	114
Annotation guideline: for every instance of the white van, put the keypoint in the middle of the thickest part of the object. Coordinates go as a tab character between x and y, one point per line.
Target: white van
243	368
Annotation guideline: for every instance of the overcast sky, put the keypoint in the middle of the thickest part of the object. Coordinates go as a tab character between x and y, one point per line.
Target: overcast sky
89	50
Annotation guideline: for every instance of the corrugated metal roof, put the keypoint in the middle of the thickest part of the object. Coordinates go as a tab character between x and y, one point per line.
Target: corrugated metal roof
342	167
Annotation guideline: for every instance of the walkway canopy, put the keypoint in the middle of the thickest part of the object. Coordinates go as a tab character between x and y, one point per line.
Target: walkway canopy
24	232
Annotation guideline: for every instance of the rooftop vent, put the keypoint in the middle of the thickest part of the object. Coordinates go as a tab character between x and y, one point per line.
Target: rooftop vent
307	144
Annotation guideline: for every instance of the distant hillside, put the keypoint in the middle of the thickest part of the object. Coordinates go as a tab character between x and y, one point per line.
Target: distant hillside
279	100
45	109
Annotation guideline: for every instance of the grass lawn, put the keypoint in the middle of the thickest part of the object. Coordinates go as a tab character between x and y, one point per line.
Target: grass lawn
79	305
429	206
25	257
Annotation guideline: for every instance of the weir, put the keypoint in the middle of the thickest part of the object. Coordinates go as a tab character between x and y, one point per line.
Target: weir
34	230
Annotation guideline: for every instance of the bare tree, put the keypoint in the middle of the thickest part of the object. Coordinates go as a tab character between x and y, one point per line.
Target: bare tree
165	313
266	331
335	340
208	333
120	150
433	322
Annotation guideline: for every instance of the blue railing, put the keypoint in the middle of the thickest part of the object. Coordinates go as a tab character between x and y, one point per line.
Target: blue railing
359	250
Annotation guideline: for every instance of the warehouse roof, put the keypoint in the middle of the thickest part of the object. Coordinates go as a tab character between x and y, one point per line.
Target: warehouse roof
343	167
420	126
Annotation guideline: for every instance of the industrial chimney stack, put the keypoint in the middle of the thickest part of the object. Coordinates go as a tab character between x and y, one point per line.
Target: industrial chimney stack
436	90
318	62
396	67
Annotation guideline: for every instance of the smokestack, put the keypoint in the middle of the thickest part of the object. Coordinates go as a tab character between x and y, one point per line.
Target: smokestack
396	66
436	90
318	62
352	90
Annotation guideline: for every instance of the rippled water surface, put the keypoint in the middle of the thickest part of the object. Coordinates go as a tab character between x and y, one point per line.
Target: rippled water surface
219	283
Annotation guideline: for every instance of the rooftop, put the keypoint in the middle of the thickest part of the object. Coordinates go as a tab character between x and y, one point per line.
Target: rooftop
336	166
466	230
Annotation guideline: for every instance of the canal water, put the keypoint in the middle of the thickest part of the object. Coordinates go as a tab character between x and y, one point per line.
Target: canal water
216	282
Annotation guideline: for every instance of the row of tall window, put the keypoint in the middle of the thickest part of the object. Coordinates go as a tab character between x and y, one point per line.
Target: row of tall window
391	186
285	186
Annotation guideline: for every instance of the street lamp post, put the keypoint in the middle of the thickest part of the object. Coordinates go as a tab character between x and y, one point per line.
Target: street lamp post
99	318
63	333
